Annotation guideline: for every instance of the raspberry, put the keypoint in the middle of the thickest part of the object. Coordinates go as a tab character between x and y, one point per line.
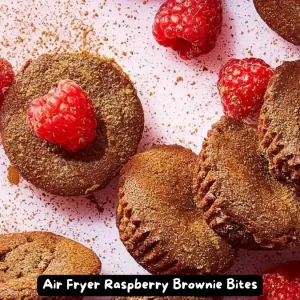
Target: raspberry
65	116
282	283
190	27
274	279
6	75
287	291
242	85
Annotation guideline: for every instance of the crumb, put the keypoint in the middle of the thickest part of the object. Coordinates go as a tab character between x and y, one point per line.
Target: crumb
13	175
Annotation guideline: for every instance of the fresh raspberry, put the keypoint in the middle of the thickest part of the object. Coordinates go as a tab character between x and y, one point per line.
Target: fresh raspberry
282	282
287	291
242	85
274	278
6	75
190	27
65	116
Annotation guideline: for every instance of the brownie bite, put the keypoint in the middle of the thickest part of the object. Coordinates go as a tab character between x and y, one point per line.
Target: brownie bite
281	16
25	256
279	132
157	218
240	199
118	112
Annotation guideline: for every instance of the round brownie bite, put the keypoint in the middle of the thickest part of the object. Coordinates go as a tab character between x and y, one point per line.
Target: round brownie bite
118	112
281	16
157	218
240	199
279	132
25	256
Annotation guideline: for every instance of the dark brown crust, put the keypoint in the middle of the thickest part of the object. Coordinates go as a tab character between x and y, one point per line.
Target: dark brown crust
25	256
240	199
158	222
119	116
279	133
166	298
282	16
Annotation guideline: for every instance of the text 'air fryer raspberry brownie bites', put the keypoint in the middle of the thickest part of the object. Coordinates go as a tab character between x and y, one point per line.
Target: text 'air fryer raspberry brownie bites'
157	137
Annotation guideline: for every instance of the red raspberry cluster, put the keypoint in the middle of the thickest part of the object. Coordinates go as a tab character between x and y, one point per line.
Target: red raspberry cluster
242	85
282	283
190	27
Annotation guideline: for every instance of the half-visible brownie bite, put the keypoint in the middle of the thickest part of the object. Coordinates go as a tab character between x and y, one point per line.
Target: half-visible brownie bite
70	122
157	218
281	16
25	256
241	201
279	131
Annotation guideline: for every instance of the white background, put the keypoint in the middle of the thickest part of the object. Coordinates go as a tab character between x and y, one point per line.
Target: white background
179	113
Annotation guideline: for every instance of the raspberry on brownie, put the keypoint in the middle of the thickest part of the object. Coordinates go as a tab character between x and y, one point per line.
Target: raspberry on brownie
241	201
65	116
158	221
279	132
116	109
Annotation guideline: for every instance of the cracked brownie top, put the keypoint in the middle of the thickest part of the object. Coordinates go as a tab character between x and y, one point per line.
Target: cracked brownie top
25	256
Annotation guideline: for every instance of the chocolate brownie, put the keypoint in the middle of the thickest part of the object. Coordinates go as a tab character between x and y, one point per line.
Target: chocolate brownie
157	218
279	133
25	256
118	112
281	16
241	201
165	298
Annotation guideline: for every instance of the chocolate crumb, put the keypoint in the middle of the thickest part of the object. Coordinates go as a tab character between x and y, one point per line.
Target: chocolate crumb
13	175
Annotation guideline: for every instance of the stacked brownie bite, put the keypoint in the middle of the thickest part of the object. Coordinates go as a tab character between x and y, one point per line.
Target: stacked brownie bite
246	181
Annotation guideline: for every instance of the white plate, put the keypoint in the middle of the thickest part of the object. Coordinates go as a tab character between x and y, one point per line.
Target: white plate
179	113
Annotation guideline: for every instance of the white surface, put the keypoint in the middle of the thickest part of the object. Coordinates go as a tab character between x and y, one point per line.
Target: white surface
179	113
